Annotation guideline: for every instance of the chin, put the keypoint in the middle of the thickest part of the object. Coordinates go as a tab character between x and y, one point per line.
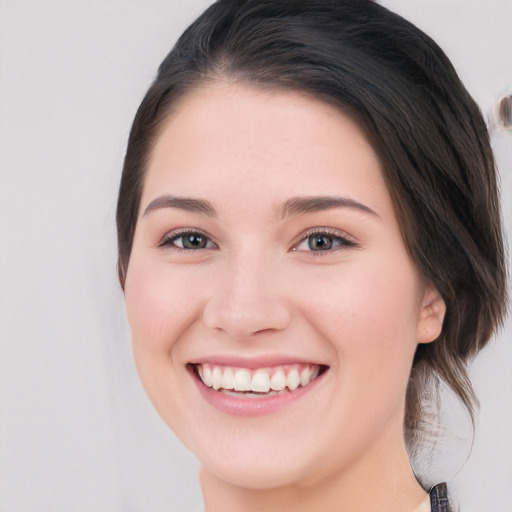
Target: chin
257	474
257	459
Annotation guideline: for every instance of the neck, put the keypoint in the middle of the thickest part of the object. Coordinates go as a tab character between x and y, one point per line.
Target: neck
381	479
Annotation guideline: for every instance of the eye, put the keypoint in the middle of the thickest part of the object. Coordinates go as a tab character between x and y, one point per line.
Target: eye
324	241
187	240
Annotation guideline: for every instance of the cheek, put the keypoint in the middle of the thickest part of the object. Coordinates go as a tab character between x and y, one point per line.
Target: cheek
158	305
373	331
384	305
369	316
159	310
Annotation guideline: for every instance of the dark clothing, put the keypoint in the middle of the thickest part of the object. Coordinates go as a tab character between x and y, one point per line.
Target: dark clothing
439	499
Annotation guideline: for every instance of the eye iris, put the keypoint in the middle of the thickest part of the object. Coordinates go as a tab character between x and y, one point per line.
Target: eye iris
193	241
320	243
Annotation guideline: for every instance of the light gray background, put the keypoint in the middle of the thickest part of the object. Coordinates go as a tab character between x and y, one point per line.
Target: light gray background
76	430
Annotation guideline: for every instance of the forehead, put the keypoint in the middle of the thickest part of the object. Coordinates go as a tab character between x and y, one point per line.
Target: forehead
223	141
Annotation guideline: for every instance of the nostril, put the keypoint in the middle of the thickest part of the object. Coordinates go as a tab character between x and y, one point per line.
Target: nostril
247	318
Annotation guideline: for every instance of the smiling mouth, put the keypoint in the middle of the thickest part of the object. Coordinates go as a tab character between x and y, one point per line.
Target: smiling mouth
259	382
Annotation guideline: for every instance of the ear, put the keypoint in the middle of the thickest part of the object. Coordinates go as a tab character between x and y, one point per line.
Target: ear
431	316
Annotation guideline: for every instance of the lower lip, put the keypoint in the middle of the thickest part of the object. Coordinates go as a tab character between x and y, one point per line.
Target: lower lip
252	405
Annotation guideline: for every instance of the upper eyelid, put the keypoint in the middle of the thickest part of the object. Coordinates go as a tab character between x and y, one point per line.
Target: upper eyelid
335	233
176	233
348	241
319	230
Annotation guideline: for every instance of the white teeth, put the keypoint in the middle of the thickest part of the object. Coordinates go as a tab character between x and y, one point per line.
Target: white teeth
216	378
260	382
278	380
242	380
293	380
207	375
227	379
305	376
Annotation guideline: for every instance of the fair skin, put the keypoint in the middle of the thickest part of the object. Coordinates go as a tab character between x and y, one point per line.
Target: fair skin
270	278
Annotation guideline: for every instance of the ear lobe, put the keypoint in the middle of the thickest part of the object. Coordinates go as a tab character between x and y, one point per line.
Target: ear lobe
431	316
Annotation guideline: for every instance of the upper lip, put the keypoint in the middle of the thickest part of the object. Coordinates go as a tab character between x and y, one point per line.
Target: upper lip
253	363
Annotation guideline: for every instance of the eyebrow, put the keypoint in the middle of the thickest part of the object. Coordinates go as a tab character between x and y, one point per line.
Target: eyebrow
188	204
291	207
311	204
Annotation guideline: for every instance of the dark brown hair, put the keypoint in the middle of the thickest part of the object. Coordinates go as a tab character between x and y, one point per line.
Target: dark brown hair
427	131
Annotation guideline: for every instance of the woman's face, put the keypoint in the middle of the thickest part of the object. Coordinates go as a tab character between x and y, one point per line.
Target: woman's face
268	258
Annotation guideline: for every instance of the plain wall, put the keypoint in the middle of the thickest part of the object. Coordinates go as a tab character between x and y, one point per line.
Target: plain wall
77	432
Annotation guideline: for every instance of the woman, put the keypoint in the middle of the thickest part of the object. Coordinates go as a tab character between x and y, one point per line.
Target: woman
309	235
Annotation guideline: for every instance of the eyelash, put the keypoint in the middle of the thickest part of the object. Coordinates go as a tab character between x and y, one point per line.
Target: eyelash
170	239
339	240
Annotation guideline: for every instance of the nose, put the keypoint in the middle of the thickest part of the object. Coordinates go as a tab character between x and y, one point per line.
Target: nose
247	299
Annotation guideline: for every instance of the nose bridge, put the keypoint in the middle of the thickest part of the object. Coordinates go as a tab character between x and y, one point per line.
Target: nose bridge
246	298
